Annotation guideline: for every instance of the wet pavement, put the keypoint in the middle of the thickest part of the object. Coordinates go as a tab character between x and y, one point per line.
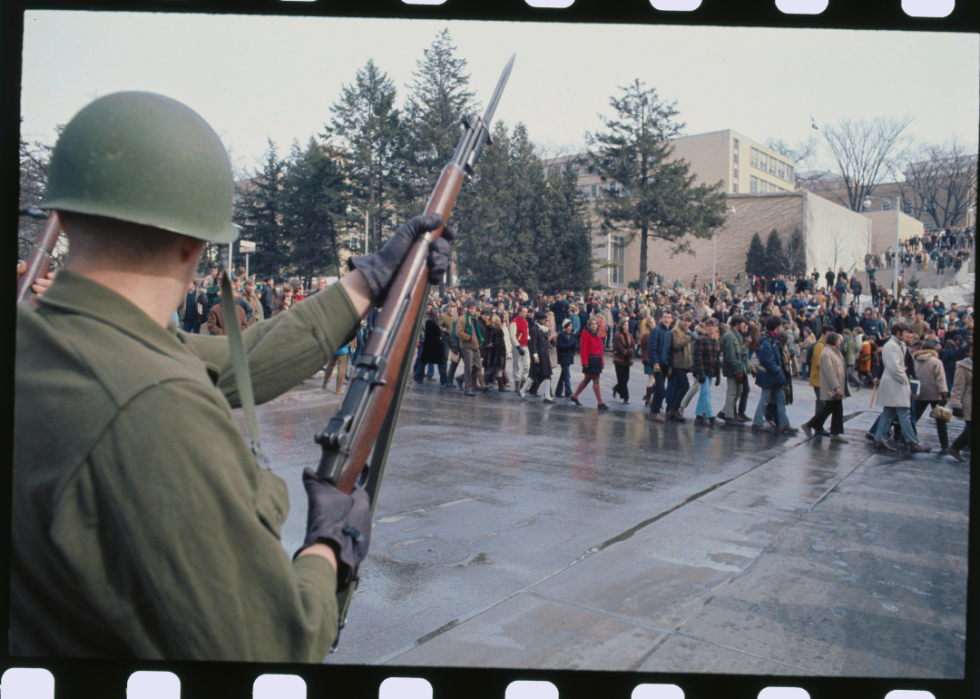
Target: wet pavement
512	534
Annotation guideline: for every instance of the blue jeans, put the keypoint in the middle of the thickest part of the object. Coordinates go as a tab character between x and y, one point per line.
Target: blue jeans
192	326
564	382
704	400
420	370
760	410
885	421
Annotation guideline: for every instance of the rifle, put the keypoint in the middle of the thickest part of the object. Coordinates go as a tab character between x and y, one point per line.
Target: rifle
39	261
357	439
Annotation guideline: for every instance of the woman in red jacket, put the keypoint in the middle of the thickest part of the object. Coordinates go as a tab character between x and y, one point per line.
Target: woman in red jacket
592	362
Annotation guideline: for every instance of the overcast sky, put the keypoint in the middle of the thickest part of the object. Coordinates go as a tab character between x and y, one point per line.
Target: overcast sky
276	77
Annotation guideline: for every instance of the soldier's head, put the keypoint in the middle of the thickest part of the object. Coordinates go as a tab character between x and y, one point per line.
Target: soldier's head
140	183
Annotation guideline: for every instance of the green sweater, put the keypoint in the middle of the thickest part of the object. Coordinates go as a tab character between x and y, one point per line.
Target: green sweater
144	527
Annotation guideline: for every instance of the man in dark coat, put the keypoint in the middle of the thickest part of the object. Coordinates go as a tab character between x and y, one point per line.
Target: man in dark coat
771	376
431	349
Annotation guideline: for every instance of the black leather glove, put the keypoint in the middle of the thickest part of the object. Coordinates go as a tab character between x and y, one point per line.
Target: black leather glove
700	378
717	379
521	351
379	269
340	520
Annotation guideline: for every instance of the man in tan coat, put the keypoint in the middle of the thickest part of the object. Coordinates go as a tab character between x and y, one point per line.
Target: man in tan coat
933	390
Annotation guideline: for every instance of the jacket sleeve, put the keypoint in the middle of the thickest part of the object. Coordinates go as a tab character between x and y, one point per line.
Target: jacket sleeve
199	570
829	378
512	331
959	386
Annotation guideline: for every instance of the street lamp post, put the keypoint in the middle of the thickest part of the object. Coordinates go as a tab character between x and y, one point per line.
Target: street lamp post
354	208
866	205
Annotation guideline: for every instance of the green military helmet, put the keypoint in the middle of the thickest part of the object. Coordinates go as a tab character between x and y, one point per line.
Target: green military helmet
148	159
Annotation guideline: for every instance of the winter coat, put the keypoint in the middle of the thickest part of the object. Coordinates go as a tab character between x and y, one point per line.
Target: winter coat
590	345
893	388
496	349
659	346
681	348
566	349
754	334
962	394
216	319
432	344
850	349
468	340
623	349
643	341
832	374
951	357
931	375
705	356
818	347
537	345
772	371
735	356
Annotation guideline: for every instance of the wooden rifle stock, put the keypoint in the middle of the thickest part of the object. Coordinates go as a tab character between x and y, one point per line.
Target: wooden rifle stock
39	261
356	440
395	330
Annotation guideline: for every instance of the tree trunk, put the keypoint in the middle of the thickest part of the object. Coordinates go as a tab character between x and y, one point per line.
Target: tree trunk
643	257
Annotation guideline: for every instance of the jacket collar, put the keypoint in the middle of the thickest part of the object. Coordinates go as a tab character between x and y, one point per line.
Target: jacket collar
73	293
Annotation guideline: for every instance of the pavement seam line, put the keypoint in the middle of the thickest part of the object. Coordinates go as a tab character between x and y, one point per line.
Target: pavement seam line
750	566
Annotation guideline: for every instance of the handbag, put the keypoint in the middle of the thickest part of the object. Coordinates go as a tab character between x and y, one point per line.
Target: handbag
594	366
454	356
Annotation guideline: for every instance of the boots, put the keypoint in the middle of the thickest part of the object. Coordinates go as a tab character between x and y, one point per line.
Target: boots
648	395
501	386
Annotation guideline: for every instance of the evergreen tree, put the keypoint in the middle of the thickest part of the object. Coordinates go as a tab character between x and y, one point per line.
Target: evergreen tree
649	194
257	211
367	124
794	254
569	266
774	256
314	201
437	100
755	260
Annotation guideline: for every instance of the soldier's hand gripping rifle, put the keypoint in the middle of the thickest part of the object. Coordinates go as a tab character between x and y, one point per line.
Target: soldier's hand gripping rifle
356	440
39	261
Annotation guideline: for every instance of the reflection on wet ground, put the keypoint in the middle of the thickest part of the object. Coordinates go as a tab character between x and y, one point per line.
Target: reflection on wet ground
512	534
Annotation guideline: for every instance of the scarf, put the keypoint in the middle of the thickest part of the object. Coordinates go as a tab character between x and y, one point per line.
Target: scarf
470	328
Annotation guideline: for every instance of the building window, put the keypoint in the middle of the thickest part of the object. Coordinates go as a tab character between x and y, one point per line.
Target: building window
755	185
736	159
735	187
736	144
772	165
886	205
735	174
591	169
789	174
617	255
754	158
781	170
594	191
763	162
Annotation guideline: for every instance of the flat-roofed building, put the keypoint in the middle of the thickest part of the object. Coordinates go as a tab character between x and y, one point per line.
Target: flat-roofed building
741	164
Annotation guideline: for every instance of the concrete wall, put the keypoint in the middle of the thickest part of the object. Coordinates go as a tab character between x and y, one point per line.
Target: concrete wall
835	237
709	155
883	229
754	213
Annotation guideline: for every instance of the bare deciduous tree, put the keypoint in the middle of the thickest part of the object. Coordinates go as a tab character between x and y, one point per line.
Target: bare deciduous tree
941	182
803	154
867	153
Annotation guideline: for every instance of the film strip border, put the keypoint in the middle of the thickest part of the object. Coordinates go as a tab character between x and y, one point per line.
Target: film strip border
68	679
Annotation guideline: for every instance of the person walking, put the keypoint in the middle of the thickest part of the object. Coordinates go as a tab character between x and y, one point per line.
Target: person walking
894	392
933	390
539	341
565	346
339	363
961	401
431	349
496	354
660	357
518	339
642	340
833	390
771	376
735	367
813	359
705	365
470	340
623	345
591	352
681	365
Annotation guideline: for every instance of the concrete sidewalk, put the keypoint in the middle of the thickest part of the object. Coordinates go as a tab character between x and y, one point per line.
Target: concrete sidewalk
823	560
